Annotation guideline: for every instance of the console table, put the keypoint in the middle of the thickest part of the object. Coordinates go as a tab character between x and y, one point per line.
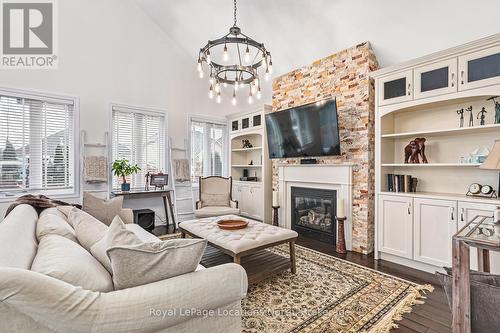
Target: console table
164	194
478	233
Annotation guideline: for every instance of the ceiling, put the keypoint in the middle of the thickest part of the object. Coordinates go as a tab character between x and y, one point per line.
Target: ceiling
298	32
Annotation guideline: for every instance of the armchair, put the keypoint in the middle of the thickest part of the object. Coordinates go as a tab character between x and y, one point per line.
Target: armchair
216	197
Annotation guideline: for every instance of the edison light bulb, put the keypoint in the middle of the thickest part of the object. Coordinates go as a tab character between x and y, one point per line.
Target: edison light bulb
270	67
219	98
217	87
233	100
225	55
247	55
259	93
198	67
201	75
266	76
250	98
211	92
208	56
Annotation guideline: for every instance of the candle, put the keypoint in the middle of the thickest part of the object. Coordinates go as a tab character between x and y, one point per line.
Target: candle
340	208
276	199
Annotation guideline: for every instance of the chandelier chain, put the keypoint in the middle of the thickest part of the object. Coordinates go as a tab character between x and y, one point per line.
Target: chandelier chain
235	8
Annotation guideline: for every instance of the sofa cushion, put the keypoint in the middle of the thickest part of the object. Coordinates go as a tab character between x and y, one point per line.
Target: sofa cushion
142	234
150	262
17	238
103	210
53	224
54	211
88	229
65	260
216	211
117	234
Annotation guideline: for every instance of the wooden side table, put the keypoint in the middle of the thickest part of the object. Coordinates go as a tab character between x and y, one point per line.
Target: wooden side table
164	194
478	233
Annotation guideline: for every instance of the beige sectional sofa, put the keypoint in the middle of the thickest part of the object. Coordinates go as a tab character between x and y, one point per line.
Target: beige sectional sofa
207	300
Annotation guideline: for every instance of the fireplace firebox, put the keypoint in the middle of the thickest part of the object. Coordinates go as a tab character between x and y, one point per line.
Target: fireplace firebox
313	213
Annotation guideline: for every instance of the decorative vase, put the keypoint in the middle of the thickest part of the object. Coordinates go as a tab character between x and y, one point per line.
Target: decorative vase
125	187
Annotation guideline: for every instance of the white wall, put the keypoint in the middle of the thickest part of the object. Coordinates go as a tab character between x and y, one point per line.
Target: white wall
109	50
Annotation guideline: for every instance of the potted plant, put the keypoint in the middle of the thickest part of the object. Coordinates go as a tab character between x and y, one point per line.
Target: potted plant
123	168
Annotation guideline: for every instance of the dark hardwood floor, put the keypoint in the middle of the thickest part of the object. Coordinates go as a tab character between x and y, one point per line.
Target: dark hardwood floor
434	316
431	317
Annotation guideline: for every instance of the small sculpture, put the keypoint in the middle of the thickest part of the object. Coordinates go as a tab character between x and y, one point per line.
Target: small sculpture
146	181
414	149
471	116
481	114
246	143
461	113
497	108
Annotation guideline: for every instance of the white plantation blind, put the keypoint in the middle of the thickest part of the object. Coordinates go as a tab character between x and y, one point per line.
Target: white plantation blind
207	148
139	137
37	149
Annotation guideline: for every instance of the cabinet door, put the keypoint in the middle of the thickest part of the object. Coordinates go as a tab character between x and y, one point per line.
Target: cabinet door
246	200
235	125
237	194
257	120
434	226
395	221
436	79
395	88
478	69
256	201
467	211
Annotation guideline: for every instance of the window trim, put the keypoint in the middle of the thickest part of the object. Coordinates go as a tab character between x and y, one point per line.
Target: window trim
144	110
52	97
216	120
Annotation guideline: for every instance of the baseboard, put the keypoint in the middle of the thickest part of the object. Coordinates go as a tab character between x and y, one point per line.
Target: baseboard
411	263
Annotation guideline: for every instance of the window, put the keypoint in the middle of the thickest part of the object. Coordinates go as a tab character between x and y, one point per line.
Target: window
138	136
208	141
37	144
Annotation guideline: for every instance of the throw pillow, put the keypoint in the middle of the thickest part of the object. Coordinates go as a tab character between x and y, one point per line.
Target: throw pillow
65	260
150	262
117	234
103	210
88	229
213	199
49	224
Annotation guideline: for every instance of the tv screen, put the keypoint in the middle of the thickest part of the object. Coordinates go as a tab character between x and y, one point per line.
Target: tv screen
306	131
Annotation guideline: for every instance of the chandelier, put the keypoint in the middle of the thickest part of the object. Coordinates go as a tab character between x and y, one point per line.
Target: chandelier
233	60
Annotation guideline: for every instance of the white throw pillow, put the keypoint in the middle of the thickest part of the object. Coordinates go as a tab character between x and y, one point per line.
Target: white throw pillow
88	229
49	224
145	263
103	210
65	260
117	234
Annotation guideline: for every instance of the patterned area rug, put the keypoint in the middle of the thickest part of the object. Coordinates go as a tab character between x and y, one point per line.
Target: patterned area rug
328	295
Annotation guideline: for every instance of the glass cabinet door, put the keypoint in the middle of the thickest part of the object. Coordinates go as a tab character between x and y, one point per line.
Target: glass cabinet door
395	88
234	125
245	123
257	120
479	69
436	79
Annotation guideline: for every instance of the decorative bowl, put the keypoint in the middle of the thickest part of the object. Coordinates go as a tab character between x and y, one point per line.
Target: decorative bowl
232	224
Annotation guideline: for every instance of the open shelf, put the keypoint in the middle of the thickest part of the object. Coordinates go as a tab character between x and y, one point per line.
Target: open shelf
246	149
431	165
460	130
246	166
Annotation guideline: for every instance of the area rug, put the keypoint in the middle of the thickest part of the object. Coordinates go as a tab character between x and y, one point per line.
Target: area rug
326	295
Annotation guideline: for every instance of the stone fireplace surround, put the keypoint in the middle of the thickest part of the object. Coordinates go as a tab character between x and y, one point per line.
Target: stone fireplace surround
319	176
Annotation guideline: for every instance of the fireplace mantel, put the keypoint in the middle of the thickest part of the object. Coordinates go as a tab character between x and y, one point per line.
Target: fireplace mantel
321	176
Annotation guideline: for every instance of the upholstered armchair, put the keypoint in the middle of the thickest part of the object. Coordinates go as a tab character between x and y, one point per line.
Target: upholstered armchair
216	197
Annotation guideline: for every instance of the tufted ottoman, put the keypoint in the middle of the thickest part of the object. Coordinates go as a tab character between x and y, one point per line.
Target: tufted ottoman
244	242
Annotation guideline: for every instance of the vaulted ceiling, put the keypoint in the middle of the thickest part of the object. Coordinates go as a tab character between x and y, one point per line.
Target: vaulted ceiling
298	32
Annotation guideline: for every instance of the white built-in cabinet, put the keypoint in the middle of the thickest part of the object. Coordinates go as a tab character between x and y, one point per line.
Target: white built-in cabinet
434	225
254	197
396	227
420	98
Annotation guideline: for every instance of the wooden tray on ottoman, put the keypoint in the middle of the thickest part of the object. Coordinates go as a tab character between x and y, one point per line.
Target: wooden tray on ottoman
232	224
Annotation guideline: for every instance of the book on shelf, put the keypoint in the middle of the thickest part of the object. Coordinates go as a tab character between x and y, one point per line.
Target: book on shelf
400	183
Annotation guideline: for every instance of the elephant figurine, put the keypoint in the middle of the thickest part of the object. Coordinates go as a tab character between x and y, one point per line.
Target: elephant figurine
415	148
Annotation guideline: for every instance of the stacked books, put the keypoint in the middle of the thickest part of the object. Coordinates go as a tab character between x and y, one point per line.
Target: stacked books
401	183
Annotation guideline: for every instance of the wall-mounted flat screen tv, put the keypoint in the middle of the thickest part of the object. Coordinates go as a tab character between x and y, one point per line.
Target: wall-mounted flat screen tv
306	131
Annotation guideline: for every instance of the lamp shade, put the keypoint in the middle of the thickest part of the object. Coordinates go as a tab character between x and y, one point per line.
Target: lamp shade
493	160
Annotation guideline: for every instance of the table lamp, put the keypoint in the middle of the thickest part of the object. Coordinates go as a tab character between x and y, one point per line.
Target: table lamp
493	161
